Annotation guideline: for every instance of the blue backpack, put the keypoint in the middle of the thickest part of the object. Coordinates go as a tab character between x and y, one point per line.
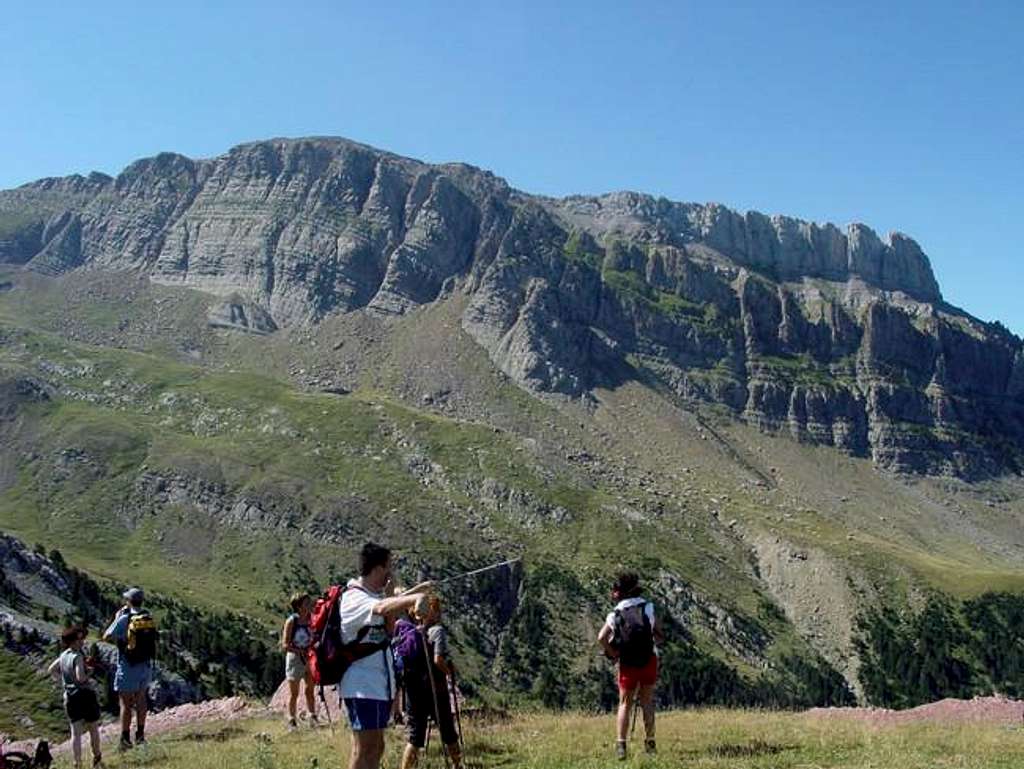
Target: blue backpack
410	653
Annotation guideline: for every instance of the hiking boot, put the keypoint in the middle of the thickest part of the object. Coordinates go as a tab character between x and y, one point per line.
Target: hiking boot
140	739
650	747
125	743
97	762
292	725
314	721
620	750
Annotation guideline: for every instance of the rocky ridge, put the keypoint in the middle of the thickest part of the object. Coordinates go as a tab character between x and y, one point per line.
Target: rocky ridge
40	584
836	338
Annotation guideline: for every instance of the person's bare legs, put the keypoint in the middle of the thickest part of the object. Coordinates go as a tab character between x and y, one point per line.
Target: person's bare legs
626	699
140	713
411	757
127	706
94	742
310	699
293	700
646	702
76	743
367	749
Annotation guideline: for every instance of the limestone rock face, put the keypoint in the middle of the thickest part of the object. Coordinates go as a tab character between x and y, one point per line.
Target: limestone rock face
833	336
240	315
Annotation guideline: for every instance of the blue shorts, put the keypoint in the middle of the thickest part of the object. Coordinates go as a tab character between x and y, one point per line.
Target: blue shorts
368	715
132	678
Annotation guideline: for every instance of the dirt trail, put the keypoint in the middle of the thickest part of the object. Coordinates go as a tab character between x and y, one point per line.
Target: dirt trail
219	711
279	702
987	710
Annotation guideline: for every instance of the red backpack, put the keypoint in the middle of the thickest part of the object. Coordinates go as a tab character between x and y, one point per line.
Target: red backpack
328	657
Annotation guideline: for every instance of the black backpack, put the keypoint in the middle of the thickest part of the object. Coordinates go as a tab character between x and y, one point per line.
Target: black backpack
140	645
634	636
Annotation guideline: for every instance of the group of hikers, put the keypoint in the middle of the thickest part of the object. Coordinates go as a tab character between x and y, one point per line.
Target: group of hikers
134	631
386	651
401	667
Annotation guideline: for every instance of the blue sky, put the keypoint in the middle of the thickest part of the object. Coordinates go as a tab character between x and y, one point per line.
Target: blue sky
905	116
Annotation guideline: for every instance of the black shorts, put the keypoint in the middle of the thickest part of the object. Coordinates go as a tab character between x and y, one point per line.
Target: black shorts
82	705
420	710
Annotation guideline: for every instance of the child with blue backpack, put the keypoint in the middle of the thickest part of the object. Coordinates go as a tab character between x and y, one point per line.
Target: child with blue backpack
423	663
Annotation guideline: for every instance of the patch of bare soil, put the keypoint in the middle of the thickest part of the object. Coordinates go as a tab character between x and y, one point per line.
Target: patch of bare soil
220	711
279	702
987	710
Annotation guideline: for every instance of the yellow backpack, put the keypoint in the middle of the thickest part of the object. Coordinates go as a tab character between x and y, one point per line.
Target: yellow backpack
142	637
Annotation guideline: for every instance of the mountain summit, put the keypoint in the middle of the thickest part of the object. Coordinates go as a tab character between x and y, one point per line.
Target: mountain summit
835	337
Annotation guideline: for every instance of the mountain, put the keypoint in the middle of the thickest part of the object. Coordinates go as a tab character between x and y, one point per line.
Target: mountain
219	376
835	337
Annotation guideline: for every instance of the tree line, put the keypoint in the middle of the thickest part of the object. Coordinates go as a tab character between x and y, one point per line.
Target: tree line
220	653
947	649
529	663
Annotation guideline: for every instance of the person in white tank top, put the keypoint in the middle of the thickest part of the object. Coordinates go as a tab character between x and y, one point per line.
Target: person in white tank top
295	641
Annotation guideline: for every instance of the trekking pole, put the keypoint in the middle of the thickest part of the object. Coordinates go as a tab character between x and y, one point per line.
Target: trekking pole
327	710
454	692
437	702
473	573
426	745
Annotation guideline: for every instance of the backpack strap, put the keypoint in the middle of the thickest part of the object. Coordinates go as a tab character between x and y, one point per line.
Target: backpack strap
361	634
384	646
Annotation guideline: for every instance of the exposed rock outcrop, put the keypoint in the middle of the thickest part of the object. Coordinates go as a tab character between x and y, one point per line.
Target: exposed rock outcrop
835	337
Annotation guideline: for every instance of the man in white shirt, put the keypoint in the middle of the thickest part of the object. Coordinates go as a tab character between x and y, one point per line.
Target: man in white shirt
629	635
367	611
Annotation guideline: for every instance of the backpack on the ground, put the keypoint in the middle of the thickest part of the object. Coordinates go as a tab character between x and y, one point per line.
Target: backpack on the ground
409	650
19	759
634	636
329	658
43	759
140	645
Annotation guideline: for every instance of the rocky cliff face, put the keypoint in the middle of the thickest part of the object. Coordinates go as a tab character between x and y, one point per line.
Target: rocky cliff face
839	338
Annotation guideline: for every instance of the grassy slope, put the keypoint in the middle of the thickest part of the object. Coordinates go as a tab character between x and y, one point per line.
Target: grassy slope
937	535
678	499
344	453
704	739
25	693
337	449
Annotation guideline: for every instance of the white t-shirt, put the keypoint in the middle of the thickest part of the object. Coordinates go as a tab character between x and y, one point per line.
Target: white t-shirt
625	604
371	678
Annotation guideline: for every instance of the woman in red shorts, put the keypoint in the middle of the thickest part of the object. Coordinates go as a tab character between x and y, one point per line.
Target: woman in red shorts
629	635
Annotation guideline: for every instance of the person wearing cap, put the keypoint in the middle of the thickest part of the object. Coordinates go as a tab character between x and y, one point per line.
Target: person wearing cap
134	632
